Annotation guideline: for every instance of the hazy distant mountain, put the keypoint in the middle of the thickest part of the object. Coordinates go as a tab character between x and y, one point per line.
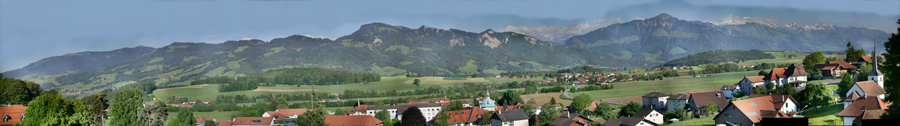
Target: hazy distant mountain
378	48
662	38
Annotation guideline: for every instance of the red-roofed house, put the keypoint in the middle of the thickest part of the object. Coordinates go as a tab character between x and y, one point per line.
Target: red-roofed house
202	121
12	114
750	111
353	120
860	105
751	82
867	88
793	75
284	113
466	117
834	69
253	121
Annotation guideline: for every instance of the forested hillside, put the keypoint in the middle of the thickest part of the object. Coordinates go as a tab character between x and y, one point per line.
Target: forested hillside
718	56
664	37
377	48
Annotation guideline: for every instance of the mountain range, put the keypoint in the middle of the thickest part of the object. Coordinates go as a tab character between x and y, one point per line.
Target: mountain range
663	38
396	50
377	48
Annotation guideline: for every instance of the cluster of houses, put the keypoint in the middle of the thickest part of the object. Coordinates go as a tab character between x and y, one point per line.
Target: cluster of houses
187	104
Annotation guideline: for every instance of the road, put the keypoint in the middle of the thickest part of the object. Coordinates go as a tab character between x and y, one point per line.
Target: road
567	92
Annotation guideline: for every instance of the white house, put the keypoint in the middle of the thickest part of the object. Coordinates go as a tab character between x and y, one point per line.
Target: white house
284	113
643	117
749	83
510	118
792	75
750	111
654	100
730	89
859	106
676	102
396	111
867	88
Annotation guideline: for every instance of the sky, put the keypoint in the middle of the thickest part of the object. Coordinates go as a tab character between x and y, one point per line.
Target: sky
33	30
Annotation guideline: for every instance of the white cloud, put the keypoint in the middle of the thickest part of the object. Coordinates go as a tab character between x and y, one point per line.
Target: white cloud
557	34
247	38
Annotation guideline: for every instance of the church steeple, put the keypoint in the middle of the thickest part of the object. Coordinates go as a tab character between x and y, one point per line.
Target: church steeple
876	75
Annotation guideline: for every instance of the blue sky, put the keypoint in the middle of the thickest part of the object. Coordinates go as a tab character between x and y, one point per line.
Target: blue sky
33	30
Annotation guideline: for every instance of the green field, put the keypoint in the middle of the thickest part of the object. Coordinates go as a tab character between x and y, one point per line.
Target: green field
708	121
399	83
825	115
677	84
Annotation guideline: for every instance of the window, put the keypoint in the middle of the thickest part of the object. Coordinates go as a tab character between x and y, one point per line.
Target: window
752	113
255	121
729	115
753	104
863	108
5	118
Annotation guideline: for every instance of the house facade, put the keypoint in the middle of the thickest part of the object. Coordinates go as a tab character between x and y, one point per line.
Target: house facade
428	110
353	120
859	106
750	111
676	102
284	113
793	75
834	69
510	118
730	89
867	88
253	121
643	117
654	100
699	100
751	82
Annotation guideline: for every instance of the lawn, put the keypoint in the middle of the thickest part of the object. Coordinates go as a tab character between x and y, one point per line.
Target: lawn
399	83
825	115
708	121
667	85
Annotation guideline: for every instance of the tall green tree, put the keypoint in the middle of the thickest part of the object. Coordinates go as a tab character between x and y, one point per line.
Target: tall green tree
891	76
486	117
441	119
815	95
845	85
629	109
851	55
812	59
548	114
99	104
126	108
315	116
176	122
510	97
186	115
52	109
155	115
581	101
16	91
209	123
711	108
605	111
416	82
413	117
383	115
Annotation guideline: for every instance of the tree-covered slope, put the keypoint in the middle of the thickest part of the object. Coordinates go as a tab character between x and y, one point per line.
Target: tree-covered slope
376	48
663	38
718	56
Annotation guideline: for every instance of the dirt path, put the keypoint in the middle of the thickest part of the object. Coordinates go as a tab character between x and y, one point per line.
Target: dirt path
637	98
282	90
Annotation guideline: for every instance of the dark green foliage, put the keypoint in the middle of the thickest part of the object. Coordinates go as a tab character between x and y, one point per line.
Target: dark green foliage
209	123
125	108
510	97
486	117
292	76
441	118
52	109
315	116
16	91
770	85
605	111
100	103
845	85
456	105
891	76
815	95
812	59
581	101
186	115
717	56
383	115
851	55
629	109
155	114
663	38
177	122
416	82
413	117
710	108
548	112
